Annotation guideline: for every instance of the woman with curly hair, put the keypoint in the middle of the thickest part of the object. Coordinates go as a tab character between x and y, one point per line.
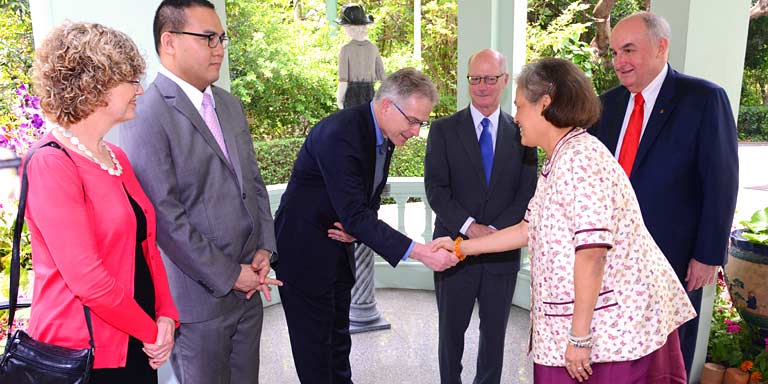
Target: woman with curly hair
92	226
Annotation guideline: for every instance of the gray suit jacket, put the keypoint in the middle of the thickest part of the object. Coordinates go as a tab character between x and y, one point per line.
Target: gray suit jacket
211	216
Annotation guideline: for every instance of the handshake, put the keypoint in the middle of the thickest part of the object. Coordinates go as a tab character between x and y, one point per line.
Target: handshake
437	255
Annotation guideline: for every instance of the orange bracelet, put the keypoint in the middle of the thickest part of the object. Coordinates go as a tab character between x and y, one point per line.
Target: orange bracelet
456	250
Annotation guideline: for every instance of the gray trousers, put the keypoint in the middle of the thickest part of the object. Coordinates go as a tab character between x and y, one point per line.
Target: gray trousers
222	350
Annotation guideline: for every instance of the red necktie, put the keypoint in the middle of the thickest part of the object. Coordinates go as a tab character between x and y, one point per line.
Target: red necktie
632	135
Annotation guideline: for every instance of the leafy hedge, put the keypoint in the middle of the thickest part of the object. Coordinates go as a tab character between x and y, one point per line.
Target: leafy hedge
276	159
753	123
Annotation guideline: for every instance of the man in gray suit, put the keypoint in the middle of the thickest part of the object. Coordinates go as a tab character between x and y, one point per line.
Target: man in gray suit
192	151
479	178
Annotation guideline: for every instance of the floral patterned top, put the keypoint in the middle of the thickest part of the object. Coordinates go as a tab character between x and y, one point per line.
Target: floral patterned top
583	200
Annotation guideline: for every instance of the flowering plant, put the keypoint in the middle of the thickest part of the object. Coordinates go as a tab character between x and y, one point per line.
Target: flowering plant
24	128
29	125
732	341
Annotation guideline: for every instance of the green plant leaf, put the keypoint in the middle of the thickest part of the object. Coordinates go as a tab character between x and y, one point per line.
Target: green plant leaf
758	222
758	238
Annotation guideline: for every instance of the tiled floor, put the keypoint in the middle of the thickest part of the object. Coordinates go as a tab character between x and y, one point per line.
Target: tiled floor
406	353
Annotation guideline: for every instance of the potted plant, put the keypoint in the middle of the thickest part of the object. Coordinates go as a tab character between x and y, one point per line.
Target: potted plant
734	344
747	267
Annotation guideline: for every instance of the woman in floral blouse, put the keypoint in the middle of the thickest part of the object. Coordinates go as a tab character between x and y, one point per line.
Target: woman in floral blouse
605	302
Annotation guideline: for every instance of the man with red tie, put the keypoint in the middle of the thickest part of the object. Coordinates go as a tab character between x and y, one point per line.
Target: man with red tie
675	136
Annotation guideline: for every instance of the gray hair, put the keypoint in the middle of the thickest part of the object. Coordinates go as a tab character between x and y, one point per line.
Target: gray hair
405	83
574	102
356	32
657	26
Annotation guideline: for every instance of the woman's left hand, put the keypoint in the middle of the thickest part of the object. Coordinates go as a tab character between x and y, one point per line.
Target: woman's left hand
160	351
577	362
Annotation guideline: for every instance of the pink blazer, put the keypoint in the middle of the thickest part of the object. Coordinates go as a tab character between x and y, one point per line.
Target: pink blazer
83	232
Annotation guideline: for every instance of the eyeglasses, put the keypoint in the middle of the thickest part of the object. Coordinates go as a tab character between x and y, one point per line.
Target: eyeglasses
136	85
213	39
489	80
412	120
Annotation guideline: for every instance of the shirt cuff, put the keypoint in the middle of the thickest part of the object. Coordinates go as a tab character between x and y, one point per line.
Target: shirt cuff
465	227
592	238
408	251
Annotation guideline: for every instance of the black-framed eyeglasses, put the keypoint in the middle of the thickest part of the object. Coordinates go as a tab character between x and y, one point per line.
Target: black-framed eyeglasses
213	39
490	80
412	120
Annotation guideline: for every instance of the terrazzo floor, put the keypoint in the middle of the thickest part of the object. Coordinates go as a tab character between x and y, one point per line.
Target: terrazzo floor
406	353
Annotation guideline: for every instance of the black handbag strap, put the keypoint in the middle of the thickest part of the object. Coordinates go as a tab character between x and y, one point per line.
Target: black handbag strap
16	253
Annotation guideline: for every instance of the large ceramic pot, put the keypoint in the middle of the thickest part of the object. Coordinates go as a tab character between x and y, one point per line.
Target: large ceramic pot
746	273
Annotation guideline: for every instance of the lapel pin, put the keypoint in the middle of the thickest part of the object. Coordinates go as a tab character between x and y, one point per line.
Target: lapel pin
661	110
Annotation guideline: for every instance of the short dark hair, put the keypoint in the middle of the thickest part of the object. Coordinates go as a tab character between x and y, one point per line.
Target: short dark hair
574	100
170	17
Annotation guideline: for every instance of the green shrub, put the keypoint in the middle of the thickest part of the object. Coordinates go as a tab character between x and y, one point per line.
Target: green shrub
282	68
753	123
408	160
276	159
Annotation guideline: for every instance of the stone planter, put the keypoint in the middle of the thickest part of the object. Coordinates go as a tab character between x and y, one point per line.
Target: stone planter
746	273
712	374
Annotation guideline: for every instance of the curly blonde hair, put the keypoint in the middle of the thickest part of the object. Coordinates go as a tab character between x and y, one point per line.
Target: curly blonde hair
76	66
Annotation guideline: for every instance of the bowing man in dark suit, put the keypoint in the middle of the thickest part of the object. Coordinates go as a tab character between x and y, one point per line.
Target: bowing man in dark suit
331	199
675	137
478	178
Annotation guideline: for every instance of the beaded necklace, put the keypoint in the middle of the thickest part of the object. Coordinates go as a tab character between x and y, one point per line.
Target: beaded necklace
117	170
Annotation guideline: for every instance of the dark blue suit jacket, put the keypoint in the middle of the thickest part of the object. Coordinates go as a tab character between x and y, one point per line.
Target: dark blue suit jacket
456	188
686	171
332	180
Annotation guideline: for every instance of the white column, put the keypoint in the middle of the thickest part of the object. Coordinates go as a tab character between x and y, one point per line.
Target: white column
132	17
709	41
497	24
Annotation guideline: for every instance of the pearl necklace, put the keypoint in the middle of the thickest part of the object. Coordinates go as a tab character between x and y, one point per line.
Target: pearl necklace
117	170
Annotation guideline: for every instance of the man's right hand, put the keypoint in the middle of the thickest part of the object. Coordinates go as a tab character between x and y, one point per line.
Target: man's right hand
438	260
247	281
476	230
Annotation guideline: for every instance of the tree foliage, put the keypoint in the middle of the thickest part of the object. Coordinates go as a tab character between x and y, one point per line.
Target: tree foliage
281	67
754	90
16	48
566	29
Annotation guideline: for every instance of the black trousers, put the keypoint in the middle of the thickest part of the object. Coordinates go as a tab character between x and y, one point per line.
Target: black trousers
457	290
318	326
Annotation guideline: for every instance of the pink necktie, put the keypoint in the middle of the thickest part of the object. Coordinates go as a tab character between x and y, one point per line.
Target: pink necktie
209	115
